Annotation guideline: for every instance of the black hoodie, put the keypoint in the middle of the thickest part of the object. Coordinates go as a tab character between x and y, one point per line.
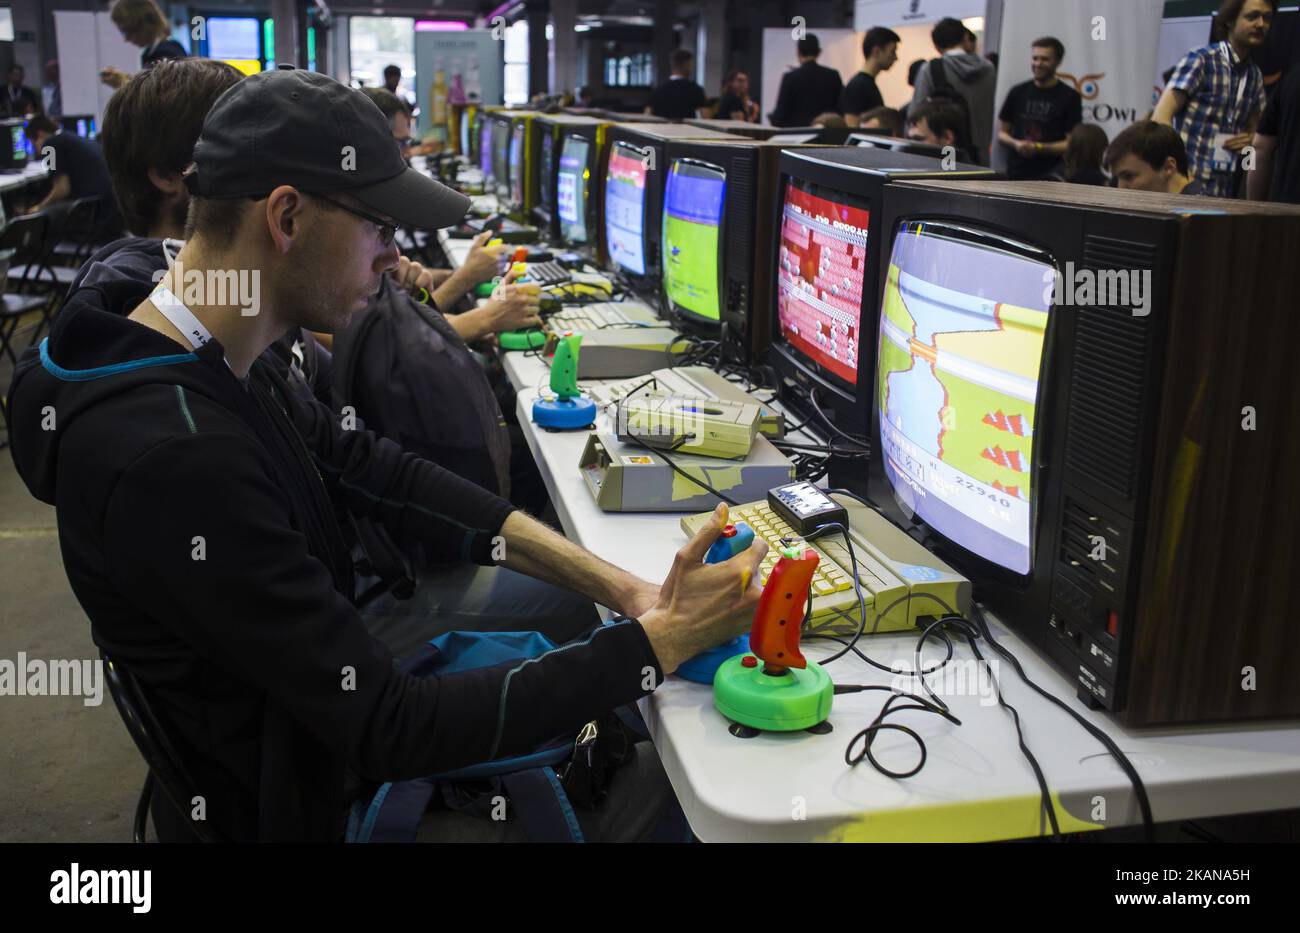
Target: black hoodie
198	532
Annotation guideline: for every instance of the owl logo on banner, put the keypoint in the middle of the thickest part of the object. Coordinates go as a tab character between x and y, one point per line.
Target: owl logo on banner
1089	86
1094	111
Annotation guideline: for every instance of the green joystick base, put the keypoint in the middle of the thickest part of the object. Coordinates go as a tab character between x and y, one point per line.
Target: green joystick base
521	339
799	698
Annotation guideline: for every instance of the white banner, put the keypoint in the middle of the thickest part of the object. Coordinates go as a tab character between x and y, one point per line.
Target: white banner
1109	48
86	44
868	13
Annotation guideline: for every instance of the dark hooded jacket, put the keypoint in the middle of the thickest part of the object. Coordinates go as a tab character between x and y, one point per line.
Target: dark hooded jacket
197	523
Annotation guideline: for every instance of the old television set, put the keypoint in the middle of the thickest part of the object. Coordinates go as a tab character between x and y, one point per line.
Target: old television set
80	124
1062	412
547	141
625	215
13	145
825	135
644	142
486	130
500	153
466	121
824	264
894	144
728	289
575	207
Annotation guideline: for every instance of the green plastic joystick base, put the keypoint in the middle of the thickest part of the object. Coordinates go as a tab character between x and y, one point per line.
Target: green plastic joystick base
796	699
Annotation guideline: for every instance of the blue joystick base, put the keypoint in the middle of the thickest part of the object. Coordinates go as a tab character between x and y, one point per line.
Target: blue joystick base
702	668
564	414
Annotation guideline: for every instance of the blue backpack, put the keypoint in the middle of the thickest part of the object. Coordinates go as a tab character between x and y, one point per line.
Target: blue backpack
541	786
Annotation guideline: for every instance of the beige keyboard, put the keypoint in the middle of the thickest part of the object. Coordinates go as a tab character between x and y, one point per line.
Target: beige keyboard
600	316
895	573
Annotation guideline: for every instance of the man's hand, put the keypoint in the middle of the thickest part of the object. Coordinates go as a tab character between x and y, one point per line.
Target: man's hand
1238	142
113	77
414	277
483	261
514	307
702	605
1025	147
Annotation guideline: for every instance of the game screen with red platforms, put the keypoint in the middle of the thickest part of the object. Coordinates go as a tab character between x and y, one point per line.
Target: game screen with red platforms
820	274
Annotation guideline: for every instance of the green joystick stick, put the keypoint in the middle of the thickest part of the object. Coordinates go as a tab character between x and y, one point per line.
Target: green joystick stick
775	688
568	411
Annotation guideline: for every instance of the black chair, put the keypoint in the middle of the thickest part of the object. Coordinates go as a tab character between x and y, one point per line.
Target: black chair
73	224
83	232
28	237
150	736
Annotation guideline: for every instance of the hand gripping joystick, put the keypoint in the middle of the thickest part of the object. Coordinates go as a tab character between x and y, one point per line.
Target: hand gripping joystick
701	668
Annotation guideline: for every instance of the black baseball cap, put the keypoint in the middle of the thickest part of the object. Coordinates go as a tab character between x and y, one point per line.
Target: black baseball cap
302	128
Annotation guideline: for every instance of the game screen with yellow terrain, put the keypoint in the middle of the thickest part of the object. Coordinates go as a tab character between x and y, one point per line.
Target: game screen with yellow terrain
961	343
694	197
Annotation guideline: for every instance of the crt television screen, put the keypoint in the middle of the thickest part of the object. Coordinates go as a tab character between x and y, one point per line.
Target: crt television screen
961	344
517	165
693	198
821	271
625	207
571	186
546	176
485	146
501	155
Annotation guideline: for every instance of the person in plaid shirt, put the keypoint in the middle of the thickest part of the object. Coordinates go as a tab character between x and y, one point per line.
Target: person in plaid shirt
1216	94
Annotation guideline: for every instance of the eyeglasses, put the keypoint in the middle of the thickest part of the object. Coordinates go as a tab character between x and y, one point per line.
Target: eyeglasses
387	230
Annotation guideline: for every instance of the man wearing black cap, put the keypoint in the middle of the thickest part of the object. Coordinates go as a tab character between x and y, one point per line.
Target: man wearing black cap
808	91
197	507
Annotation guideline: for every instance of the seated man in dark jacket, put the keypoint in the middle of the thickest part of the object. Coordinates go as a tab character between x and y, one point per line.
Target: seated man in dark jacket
196	505
151	128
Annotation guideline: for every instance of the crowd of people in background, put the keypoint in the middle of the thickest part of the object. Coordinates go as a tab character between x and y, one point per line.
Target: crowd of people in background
1212	108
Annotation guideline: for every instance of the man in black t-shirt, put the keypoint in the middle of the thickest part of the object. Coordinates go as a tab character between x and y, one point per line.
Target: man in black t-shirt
1276	176
880	49
678	98
1038	115
77	170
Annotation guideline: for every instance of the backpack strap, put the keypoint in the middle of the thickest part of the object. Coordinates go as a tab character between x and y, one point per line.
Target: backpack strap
393	814
541	806
939	76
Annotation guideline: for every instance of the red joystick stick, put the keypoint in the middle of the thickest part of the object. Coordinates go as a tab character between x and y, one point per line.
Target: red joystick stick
788	692
774	636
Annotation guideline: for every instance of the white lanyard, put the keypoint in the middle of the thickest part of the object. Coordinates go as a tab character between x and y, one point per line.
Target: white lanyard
170	248
182	318
1245	76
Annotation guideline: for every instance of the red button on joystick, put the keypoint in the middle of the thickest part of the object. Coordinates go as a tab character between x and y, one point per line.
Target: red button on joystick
749	661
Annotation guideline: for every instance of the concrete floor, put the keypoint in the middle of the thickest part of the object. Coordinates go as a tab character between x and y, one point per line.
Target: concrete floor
68	772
